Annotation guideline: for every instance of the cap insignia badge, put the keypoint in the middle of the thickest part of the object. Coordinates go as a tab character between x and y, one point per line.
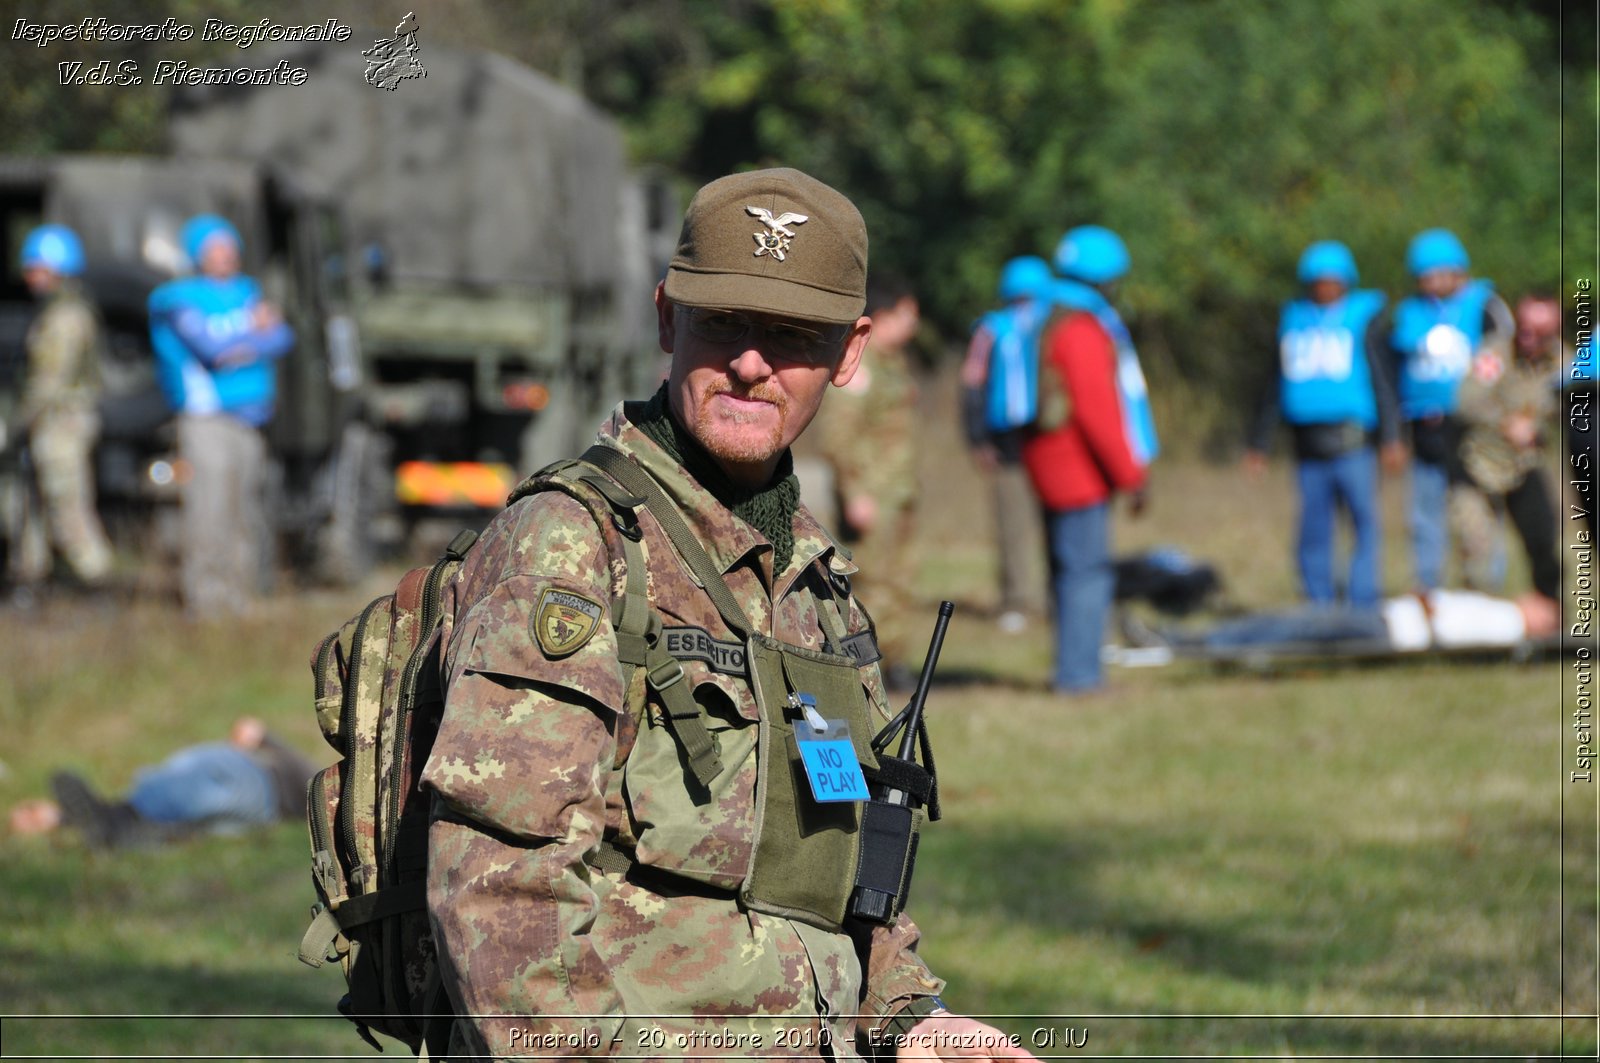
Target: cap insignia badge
775	241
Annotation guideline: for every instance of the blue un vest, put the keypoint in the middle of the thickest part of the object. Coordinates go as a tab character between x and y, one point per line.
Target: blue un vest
1436	339
1138	421
1011	397
223	311
1324	375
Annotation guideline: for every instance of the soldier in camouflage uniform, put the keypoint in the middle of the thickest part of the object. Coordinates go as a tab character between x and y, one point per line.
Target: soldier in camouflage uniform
1505	408
621	861
58	413
867	435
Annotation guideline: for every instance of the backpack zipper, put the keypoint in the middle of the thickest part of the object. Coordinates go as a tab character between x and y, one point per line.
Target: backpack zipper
324	655
325	863
388	866
314	795
432	600
347	722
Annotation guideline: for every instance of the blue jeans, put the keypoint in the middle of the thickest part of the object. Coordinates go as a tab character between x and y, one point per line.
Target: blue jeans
1308	624
1080	556
1430	528
213	784
1350	480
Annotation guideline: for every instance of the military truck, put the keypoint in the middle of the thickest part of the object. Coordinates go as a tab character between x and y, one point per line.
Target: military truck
508	254
129	210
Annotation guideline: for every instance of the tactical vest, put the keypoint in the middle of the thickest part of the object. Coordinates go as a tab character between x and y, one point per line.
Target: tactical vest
804	854
1436	339
1325	376
225	309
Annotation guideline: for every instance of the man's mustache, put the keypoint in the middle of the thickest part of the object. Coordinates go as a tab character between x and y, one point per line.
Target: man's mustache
762	392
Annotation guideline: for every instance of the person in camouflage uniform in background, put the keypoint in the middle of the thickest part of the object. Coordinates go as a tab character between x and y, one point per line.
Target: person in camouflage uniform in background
58	414
598	883
867	435
1506	407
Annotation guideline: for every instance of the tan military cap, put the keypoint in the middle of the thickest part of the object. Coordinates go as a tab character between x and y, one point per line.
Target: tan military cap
773	241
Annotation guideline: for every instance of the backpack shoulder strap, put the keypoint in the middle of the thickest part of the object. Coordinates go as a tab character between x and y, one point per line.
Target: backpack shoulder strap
637	624
608	505
621	468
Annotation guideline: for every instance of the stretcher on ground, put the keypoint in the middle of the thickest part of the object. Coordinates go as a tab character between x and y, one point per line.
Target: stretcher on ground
1281	656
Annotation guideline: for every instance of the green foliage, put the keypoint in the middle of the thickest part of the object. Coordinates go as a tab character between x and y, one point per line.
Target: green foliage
1218	138
953	125
43	115
1580	198
1242	133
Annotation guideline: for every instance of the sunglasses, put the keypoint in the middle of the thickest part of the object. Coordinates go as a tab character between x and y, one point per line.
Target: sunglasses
791	342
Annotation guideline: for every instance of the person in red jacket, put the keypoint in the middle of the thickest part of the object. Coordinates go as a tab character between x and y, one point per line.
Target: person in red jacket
1077	467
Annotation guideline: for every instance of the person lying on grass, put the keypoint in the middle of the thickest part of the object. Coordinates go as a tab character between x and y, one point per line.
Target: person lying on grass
251	780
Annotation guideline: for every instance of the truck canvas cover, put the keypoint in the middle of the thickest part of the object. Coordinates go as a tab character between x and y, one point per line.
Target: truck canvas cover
501	175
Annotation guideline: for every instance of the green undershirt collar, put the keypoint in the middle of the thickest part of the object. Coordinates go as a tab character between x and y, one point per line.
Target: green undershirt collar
769	510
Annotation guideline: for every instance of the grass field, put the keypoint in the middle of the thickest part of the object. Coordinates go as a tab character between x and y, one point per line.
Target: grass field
1333	862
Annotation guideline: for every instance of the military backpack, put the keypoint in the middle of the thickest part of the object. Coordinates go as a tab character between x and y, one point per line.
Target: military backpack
379	702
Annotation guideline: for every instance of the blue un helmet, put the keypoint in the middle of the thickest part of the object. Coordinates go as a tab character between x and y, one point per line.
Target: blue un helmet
1092	254
56	248
1025	277
202	227
1435	249
1328	260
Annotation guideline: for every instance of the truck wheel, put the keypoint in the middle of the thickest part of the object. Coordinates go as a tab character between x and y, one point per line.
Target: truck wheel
360	490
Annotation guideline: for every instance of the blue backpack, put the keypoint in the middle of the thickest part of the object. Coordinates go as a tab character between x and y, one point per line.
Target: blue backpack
1011	398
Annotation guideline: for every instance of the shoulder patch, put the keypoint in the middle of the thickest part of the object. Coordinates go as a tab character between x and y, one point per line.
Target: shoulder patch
563	621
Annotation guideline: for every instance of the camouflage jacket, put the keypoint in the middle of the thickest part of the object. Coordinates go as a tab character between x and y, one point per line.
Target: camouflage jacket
1495	389
63	346
539	758
867	431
